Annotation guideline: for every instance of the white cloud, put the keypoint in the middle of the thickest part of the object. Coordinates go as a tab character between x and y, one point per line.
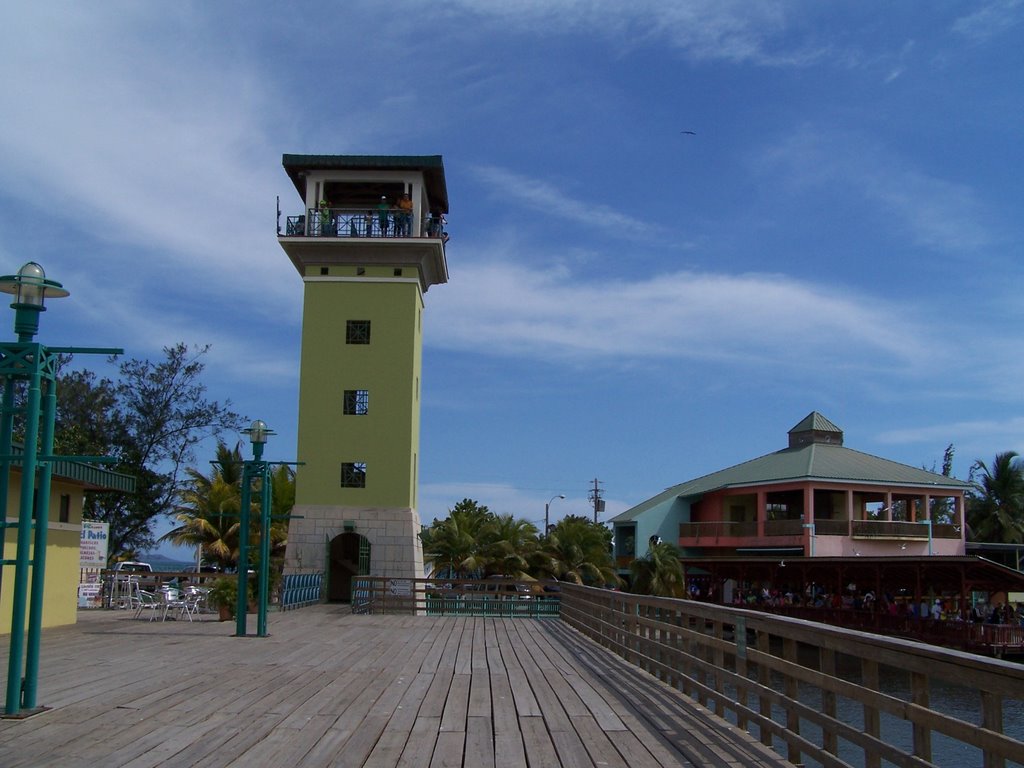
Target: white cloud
936	213
509	308
992	19
437	499
732	30
561	205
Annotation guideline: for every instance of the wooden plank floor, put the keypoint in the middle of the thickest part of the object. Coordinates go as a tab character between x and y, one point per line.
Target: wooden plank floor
331	689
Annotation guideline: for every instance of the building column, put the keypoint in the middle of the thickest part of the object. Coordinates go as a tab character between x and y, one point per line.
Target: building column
762	512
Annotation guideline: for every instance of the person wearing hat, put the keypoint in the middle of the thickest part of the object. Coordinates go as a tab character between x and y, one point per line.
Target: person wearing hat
383	209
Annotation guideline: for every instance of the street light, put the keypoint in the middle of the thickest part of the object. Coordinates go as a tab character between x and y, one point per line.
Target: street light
547	509
254	469
35	365
30	289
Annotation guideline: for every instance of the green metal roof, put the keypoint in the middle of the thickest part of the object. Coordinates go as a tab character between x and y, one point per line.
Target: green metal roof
815	422
822	462
432	167
92	476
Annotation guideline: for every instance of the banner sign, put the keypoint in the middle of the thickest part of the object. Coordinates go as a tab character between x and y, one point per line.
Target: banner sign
92	551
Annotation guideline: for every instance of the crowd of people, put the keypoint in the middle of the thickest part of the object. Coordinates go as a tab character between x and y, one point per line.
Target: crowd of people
383	221
851	598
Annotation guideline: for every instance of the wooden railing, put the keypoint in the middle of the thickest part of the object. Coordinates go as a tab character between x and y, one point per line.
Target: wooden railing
788	680
456	597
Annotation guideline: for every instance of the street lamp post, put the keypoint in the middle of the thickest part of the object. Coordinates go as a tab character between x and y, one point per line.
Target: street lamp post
547	510
34	364
252	470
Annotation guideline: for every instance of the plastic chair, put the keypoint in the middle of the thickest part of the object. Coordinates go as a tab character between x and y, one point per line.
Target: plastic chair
193	602
150	601
171	601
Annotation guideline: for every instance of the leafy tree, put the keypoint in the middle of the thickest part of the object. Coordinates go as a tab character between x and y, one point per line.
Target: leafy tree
942	510
207	515
578	551
450	545
506	545
208	512
150	420
995	509
659	572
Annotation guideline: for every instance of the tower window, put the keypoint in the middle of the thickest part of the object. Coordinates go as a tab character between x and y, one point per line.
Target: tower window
357	332
398	271
353	474
357	402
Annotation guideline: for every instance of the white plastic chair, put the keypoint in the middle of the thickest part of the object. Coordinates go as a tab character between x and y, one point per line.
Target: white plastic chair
192	602
150	601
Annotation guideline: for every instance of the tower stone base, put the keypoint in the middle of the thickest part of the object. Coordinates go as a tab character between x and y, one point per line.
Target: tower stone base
393	534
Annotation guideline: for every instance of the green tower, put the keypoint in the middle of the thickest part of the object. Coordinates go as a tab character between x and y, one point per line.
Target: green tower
368	246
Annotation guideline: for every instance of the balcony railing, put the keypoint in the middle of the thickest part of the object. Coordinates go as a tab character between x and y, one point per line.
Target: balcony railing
877	529
831	527
717	529
351	222
783	527
889	529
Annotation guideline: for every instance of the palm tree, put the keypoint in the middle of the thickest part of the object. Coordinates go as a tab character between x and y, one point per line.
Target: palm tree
996	506
506	546
660	572
578	551
451	545
209	507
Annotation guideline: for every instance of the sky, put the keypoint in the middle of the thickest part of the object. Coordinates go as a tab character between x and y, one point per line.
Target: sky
677	227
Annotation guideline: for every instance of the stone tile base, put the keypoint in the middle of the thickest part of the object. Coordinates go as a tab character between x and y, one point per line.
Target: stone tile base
396	549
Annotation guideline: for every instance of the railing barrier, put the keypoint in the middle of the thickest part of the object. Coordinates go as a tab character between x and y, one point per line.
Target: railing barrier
301	589
835	696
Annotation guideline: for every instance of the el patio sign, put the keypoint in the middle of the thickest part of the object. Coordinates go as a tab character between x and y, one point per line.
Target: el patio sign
93	548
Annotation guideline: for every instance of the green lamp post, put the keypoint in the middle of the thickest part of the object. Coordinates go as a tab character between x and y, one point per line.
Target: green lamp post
30	362
35	366
253	470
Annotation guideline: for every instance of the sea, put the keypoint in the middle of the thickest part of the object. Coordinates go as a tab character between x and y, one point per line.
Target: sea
163	564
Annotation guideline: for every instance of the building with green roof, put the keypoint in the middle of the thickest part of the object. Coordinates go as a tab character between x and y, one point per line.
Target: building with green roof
70	481
368	244
815	498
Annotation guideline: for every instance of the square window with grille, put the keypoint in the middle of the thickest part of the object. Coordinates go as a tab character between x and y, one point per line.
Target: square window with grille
357	402
357	332
353	474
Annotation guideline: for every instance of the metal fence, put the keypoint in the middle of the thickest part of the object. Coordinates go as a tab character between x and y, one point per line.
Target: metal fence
353	222
301	589
507	598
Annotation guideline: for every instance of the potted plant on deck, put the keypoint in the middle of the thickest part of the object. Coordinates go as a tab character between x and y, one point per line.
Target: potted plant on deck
223	596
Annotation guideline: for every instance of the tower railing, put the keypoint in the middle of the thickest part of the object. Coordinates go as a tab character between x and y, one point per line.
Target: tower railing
362	223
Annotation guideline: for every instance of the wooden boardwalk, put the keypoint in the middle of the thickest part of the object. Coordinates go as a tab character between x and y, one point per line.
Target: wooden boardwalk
331	689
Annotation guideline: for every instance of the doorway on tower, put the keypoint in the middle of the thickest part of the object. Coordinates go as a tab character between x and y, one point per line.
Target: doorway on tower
348	557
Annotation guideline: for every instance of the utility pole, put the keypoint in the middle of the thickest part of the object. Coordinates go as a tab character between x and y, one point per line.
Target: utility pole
595	498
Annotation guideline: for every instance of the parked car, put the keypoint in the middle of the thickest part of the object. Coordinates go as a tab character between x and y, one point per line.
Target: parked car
116	585
499	586
132	566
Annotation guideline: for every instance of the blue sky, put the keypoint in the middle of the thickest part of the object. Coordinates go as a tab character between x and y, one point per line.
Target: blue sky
627	302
